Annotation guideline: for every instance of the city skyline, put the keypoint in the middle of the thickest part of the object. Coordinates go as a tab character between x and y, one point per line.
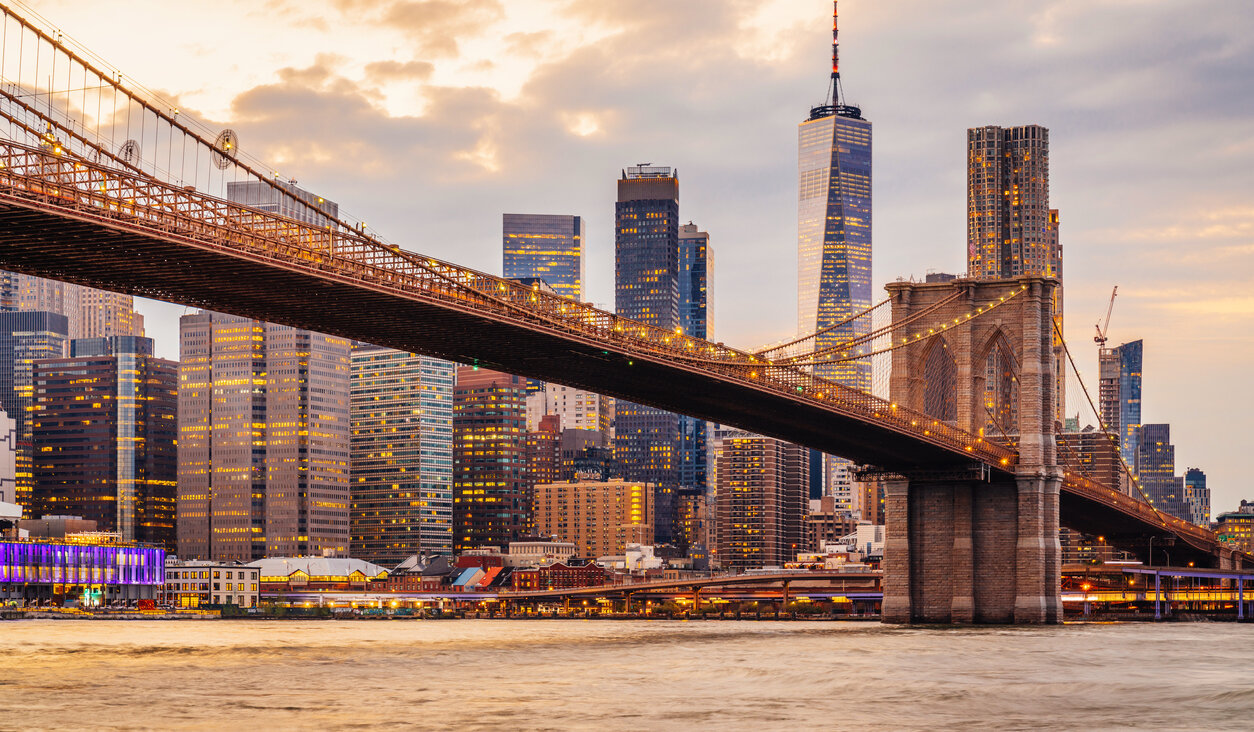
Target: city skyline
1104	133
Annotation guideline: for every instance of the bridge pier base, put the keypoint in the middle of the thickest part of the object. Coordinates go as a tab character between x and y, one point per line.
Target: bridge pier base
968	551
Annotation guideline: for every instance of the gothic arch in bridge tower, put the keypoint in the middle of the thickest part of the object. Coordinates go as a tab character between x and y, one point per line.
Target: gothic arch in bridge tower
995	382
940	381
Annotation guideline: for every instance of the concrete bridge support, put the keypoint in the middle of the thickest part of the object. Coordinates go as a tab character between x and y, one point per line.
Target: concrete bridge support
969	551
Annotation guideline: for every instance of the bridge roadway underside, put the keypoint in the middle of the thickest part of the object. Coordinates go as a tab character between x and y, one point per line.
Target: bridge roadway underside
83	250
1129	533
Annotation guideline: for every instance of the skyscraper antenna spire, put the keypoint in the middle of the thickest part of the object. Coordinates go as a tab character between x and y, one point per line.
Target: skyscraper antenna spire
834	101
836	90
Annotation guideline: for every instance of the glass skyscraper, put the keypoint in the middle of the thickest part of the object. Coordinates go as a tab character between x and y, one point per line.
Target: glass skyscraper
696	269
1156	470
401	485
1119	395
834	233
834	240
105	422
548	247
646	288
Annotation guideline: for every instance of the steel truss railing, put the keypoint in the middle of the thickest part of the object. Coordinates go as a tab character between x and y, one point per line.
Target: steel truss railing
142	203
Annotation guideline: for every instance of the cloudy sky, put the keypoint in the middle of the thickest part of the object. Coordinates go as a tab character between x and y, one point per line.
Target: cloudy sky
430	118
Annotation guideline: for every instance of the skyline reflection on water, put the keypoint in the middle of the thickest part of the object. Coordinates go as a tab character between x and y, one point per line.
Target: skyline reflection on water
571	674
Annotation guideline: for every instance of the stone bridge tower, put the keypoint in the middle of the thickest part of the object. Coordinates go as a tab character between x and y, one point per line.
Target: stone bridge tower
970	544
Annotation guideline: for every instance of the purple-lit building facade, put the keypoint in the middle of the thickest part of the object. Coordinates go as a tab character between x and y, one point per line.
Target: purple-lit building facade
95	574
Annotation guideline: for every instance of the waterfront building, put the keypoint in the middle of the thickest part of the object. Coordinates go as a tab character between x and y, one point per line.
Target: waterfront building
646	288
1119	394
26	337
197	583
559	576
90	569
761	501
1197	496
598	517
1236	528
263	439
104	420
547	247
283	576
401	475
1156	470
491	491
538	552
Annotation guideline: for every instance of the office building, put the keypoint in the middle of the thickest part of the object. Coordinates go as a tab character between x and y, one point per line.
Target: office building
26	337
263	440
284	199
546	247
761	502
1156	471
401	476
105	423
1197	497
599	517
491	490
646	288
1119	394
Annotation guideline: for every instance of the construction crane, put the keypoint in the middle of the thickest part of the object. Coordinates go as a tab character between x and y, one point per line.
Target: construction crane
1100	338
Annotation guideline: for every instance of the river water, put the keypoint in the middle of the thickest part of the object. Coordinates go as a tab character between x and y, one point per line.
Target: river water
620	675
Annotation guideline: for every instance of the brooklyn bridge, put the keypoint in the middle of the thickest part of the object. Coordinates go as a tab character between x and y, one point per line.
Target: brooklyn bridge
103	185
